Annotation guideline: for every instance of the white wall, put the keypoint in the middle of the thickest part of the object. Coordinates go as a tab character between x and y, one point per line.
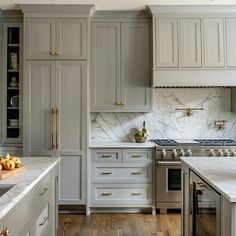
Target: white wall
115	4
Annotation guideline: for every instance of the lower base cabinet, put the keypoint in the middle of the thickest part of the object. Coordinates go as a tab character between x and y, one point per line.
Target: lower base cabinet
122	178
36	213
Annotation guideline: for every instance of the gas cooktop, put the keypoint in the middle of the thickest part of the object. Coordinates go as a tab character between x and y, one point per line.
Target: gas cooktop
195	142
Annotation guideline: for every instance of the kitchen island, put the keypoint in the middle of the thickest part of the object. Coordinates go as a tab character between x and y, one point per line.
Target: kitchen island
209	196
28	199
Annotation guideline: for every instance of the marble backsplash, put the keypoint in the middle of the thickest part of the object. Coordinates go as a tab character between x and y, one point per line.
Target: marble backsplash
165	122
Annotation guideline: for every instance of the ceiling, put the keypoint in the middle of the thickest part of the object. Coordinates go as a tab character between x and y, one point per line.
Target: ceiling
114	4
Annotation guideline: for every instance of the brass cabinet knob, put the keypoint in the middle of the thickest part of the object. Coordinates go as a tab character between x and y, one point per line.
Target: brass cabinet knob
122	104
58	53
118	103
4	231
52	53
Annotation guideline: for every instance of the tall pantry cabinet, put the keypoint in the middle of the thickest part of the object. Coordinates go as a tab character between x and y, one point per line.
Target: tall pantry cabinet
55	91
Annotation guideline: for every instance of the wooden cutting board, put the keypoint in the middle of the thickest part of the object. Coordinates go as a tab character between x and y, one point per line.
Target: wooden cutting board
7	173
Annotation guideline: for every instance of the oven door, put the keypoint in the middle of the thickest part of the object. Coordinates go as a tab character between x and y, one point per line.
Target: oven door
204	208
168	183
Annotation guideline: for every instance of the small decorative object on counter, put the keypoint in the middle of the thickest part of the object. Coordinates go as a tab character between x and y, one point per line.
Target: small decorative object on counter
13	63
141	134
13	82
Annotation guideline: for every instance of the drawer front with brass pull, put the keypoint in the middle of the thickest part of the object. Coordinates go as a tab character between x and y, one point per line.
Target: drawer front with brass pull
42	221
106	155
102	174
121	194
136	155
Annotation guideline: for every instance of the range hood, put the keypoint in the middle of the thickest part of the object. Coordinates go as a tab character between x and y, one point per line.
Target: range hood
193	78
193	46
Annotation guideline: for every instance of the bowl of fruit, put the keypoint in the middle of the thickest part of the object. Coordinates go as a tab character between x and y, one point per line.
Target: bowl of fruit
140	135
9	162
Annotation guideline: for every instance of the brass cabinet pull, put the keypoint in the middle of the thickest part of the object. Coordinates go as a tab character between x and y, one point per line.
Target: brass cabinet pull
122	104
136	156
136	194
58	53
106	194
136	173
4	231
106	156
43	192
52	129
107	173
57	124
52	53
45	219
118	103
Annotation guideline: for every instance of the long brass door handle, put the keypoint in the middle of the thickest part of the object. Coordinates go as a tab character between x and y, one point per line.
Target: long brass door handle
57	126
52	128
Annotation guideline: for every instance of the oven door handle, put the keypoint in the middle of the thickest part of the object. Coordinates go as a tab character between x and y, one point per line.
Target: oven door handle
165	163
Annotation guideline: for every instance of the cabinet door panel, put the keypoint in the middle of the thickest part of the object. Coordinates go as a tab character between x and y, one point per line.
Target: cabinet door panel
135	68
40	38
166	43
190	42
39	100
71	38
70	86
70	186
213	37
105	66
231	39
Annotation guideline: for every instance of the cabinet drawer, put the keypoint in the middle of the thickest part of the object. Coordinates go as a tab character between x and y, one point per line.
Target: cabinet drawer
106	155
137	155
42	192
121	194
42	221
121	174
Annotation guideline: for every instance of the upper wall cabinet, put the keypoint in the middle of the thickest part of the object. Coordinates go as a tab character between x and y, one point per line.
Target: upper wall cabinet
60	38
190	43
120	66
194	46
230	42
213	39
166	44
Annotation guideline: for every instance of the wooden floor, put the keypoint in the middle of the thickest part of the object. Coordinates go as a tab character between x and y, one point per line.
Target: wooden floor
119	225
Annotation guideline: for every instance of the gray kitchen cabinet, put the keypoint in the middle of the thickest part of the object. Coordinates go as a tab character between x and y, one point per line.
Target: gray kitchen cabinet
135	67
55	122
213	40
36	213
105	64
230	28
60	38
40	38
190	43
39	100
120	61
121	178
165	43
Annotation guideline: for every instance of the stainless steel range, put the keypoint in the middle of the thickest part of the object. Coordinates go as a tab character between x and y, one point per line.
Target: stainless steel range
168	165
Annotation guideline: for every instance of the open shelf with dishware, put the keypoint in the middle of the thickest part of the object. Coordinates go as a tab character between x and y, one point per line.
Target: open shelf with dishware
12	105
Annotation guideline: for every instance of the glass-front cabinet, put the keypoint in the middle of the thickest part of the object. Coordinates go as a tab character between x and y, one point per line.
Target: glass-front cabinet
12	83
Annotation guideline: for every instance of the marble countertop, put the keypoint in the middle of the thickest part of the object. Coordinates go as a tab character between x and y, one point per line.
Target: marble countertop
37	168
219	172
121	145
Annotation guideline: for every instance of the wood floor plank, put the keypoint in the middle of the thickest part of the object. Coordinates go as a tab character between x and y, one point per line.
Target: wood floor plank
119	225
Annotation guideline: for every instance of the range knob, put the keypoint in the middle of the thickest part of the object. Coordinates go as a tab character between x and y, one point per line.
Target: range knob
211	153
232	153
174	153
226	153
182	153
163	153
189	153
220	153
